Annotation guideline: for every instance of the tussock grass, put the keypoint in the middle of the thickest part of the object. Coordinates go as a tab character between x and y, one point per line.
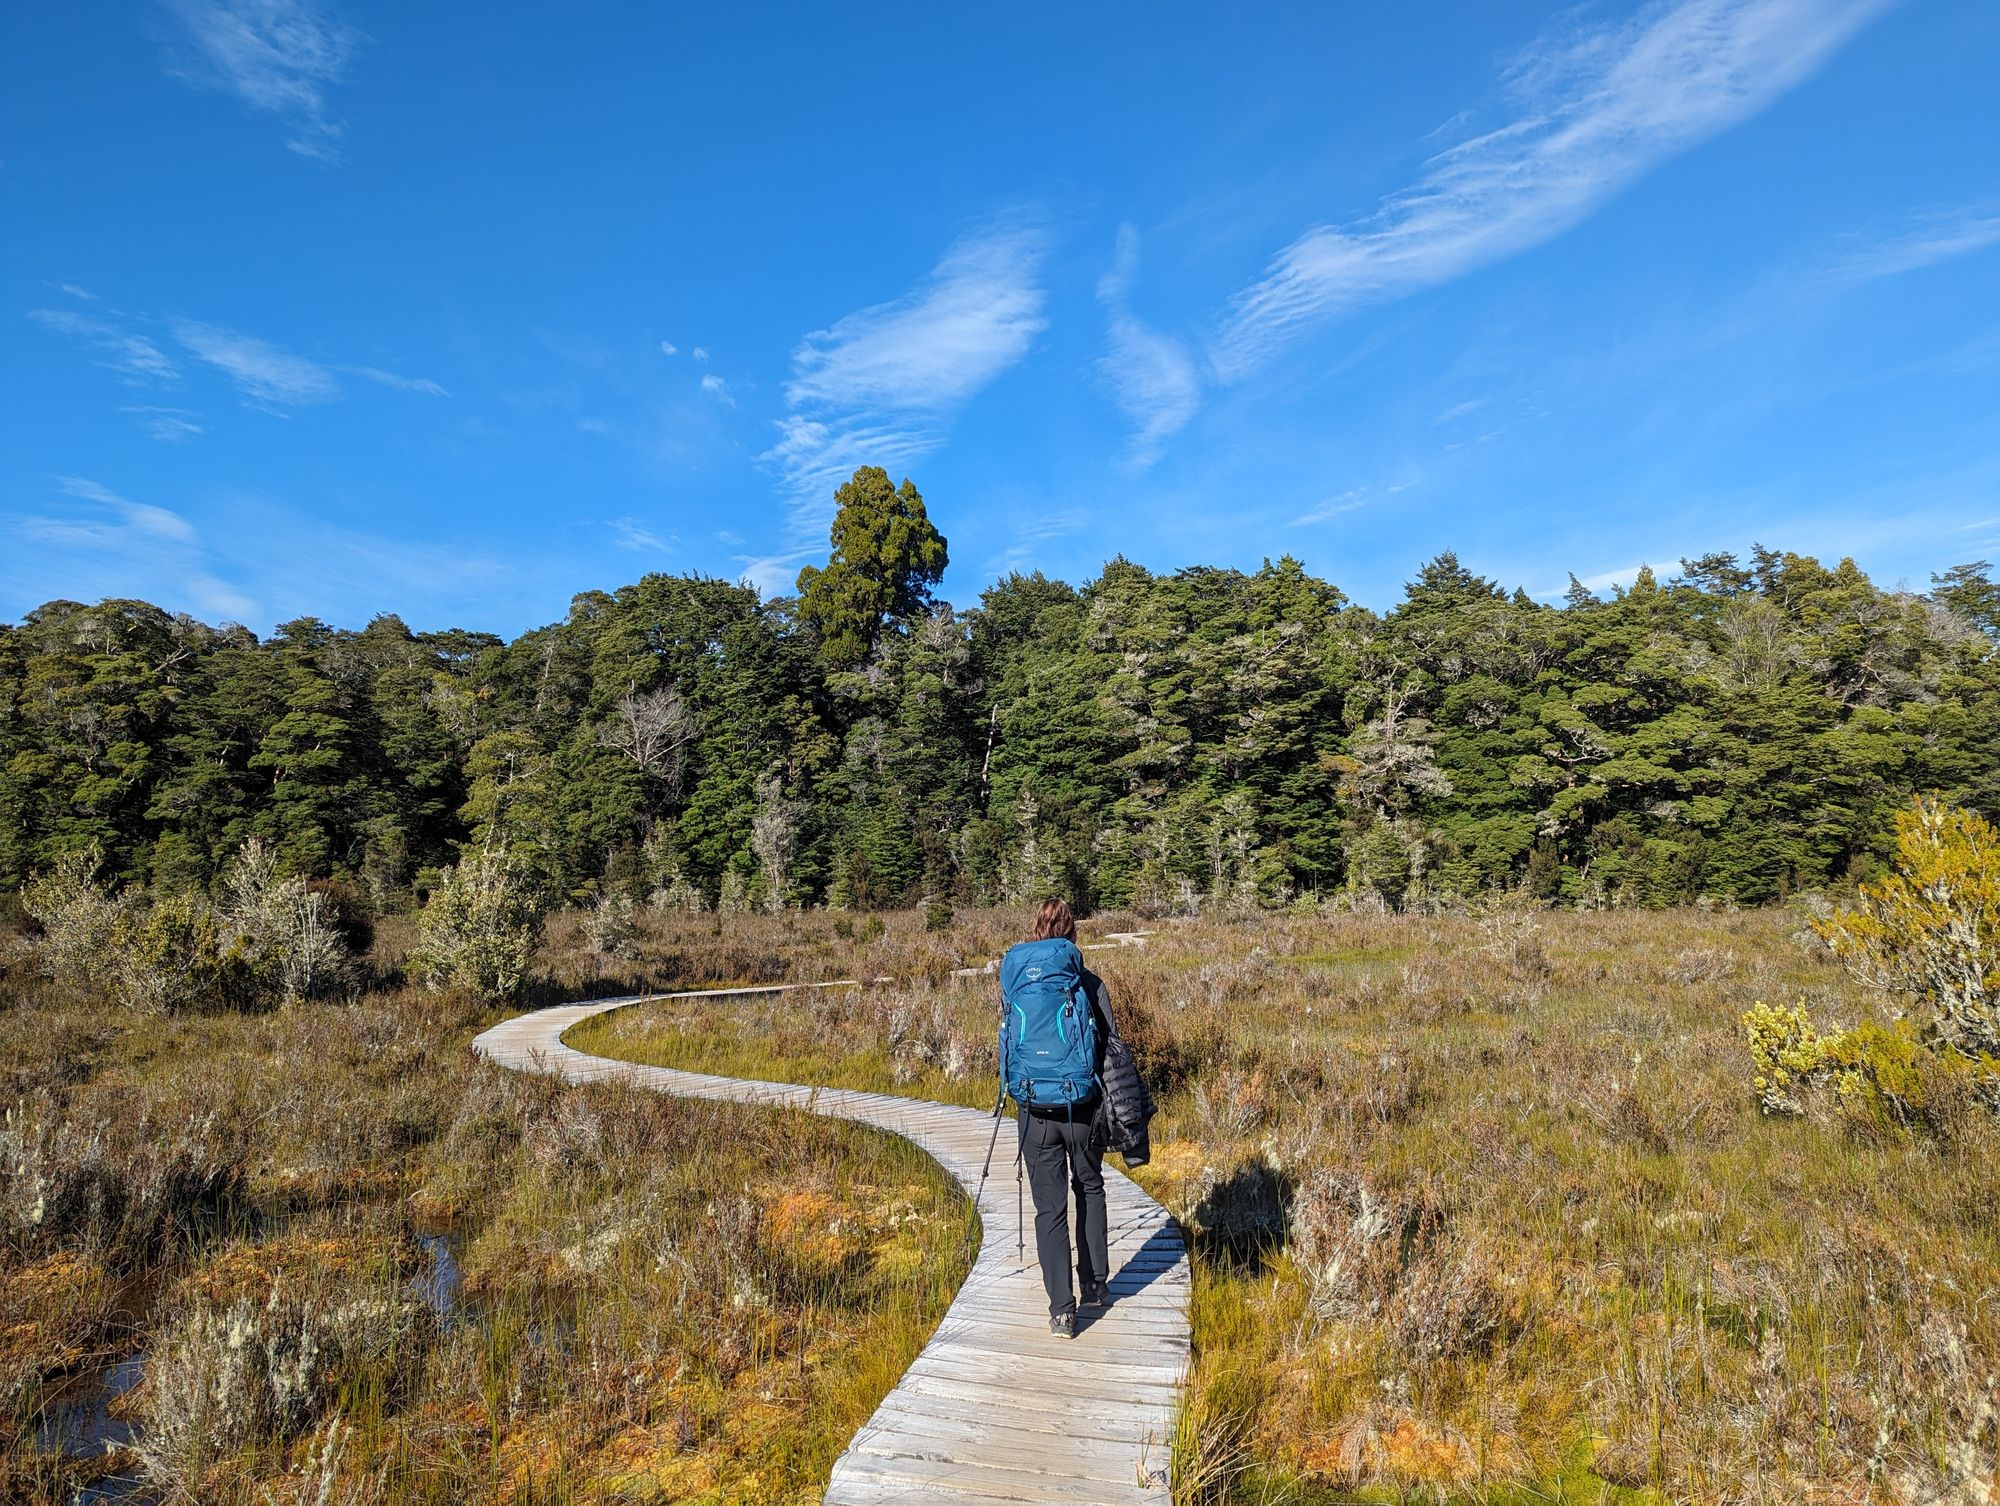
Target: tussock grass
1483	1207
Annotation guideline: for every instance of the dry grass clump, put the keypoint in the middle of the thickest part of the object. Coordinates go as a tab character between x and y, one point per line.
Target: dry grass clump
1484	1208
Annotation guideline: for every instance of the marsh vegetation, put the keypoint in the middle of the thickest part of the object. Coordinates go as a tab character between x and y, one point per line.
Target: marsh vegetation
317	1253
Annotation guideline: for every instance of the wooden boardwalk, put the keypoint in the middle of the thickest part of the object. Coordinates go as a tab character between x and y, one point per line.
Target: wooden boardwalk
995	1409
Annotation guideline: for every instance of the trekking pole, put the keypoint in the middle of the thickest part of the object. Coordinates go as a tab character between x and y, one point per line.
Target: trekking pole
1020	1212
987	1169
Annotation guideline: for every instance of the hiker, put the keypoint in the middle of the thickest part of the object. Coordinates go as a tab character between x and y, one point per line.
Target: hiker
1056	1033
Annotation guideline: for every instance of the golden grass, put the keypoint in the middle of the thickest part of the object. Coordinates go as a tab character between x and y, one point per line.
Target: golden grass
1483	1208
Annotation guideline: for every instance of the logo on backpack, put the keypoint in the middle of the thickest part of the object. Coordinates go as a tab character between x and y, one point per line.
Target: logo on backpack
1048	1044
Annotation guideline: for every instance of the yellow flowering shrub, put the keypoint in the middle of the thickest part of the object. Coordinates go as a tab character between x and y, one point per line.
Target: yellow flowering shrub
1787	1052
1929	933
1878	1074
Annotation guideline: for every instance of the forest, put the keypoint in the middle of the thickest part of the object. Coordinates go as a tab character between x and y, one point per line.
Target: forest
1165	742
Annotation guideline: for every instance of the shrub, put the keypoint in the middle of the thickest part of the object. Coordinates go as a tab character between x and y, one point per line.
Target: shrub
1879	1075
479	926
226	1375
677	895
1345	1240
174	957
1929	934
78	917
610	930
180	954
291	933
118	1186
1787	1052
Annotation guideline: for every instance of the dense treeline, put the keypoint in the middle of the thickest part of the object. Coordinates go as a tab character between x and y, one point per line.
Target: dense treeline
1739	730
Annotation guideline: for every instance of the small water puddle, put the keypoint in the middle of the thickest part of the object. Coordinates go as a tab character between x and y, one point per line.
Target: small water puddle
440	1283
80	1423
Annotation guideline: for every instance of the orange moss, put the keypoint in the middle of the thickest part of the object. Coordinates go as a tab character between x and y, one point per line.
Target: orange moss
252	1269
49	1313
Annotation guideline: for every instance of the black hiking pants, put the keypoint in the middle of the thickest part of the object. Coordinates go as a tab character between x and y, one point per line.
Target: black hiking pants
1063	1155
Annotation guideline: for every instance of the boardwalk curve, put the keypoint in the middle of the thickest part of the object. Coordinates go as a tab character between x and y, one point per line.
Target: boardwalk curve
994	1409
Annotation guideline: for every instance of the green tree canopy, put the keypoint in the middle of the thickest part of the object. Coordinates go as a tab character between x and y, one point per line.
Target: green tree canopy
886	557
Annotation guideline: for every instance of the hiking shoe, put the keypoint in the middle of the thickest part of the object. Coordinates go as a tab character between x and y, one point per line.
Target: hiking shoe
1063	1325
1096	1296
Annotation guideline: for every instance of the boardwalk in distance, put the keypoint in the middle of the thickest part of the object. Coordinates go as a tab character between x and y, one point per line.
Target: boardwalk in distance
995	1409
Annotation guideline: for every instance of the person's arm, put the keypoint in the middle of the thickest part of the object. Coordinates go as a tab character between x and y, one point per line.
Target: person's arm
1100	1000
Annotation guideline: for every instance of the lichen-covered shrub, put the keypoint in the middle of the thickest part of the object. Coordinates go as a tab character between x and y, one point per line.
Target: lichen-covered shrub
176	957
610	928
1787	1053
1367	1255
290	931
78	917
119	1186
231	1371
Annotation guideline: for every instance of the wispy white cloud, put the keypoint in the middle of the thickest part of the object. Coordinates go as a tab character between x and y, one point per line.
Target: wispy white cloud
1027	535
280	57
1352	500
718	389
813	456
423	386
1460	410
700	353
168	425
877	387
1936	237
1605	580
668	348
1596	109
252	560
634	535
776	574
975	316
110	545
1153	376
141	517
270	376
134	357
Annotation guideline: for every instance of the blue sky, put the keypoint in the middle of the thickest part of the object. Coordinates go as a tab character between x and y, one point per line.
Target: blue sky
335	309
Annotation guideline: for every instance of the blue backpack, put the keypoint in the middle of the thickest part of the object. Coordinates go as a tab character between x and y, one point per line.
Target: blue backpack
1048	1039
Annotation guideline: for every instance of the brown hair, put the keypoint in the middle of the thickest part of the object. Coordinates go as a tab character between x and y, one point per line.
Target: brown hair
1055	919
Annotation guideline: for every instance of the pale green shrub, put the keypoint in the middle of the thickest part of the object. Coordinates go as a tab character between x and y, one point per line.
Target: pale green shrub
287	930
609	929
1929	934
479	927
1787	1053
225	1376
78	917
176	957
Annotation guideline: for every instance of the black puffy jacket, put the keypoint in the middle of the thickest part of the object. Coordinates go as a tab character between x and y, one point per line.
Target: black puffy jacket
1124	1108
